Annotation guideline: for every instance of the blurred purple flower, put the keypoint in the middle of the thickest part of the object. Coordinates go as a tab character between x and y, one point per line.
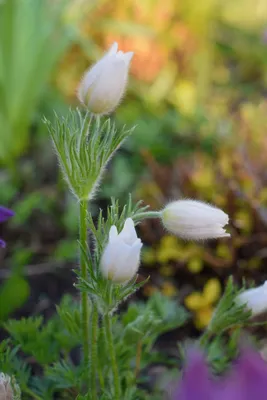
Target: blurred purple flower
195	383
247	379
5	214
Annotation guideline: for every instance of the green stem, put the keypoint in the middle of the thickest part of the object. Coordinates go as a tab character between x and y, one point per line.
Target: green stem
94	363
32	394
84	296
99	367
147	214
112	355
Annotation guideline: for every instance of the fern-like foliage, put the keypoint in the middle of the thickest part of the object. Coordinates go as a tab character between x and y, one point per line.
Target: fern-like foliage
228	312
11	364
47	341
84	146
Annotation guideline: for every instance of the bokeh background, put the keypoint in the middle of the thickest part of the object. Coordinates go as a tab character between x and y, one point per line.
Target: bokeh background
197	95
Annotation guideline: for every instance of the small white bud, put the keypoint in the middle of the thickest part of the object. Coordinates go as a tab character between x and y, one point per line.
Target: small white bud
121	257
6	392
254	299
191	219
103	85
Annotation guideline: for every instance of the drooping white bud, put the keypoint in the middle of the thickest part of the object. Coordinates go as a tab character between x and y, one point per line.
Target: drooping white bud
191	219
254	299
103	85
6	392
121	257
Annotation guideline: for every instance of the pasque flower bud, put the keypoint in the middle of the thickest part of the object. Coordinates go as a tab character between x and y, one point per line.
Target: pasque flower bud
121	257
103	85
254	299
191	219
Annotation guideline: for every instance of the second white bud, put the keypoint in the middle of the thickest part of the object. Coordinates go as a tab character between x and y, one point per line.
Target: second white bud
103	85
191	219
121	257
254	299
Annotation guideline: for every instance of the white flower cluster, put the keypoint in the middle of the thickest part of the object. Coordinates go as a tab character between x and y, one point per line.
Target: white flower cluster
100	91
188	219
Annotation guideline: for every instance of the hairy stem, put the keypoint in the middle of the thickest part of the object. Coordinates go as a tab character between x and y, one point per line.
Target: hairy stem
84	296
146	214
112	355
94	361
99	367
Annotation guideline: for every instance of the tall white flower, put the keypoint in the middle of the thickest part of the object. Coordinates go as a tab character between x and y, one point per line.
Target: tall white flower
191	219
254	299
121	257
103	85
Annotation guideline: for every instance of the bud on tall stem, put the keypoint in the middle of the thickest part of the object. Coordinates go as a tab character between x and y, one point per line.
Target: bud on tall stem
103	85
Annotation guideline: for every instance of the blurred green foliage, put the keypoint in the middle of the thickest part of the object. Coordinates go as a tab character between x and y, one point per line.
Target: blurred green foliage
27	60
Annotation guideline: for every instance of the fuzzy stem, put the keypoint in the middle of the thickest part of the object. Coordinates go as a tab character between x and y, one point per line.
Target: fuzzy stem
99	367
147	214
84	296
94	362
112	355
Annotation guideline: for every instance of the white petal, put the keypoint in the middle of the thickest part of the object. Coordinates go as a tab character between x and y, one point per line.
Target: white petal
191	209
128	234
114	255
120	260
109	87
127	57
103	86
113	233
113	49
93	73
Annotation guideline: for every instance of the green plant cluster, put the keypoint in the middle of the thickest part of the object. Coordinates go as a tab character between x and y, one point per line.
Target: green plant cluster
51	347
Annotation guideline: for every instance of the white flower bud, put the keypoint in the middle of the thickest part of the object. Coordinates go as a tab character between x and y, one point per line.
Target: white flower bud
103	85
191	219
121	257
254	299
6	392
